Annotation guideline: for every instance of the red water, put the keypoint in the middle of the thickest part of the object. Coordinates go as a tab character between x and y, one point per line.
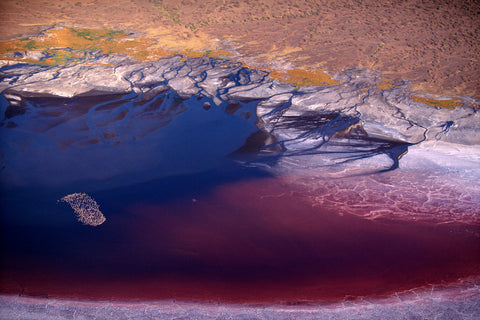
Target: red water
256	241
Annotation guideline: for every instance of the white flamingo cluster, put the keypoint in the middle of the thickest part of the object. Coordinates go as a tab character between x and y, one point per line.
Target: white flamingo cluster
87	210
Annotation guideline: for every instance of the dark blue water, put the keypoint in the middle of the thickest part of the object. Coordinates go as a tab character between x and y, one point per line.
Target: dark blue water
120	149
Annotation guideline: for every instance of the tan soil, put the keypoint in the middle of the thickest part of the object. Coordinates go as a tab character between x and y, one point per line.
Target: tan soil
435	44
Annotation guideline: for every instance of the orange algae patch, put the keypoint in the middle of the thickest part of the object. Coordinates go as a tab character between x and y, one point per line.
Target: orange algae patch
11	46
386	84
80	39
300	77
68	44
448	104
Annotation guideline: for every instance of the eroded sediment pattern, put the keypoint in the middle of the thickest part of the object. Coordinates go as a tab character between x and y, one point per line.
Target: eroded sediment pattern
112	100
358	102
400	195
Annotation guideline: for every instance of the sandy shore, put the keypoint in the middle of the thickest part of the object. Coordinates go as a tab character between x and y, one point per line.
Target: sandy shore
425	303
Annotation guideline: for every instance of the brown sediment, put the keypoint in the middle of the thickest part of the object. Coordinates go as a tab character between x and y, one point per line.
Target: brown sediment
56	42
258	241
209	53
432	44
386	84
300	77
59	41
448	104
429	44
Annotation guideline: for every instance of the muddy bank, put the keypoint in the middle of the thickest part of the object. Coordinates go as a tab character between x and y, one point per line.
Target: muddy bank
432	44
108	106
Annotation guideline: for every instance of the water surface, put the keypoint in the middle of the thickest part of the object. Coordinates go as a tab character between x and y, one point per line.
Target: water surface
193	213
